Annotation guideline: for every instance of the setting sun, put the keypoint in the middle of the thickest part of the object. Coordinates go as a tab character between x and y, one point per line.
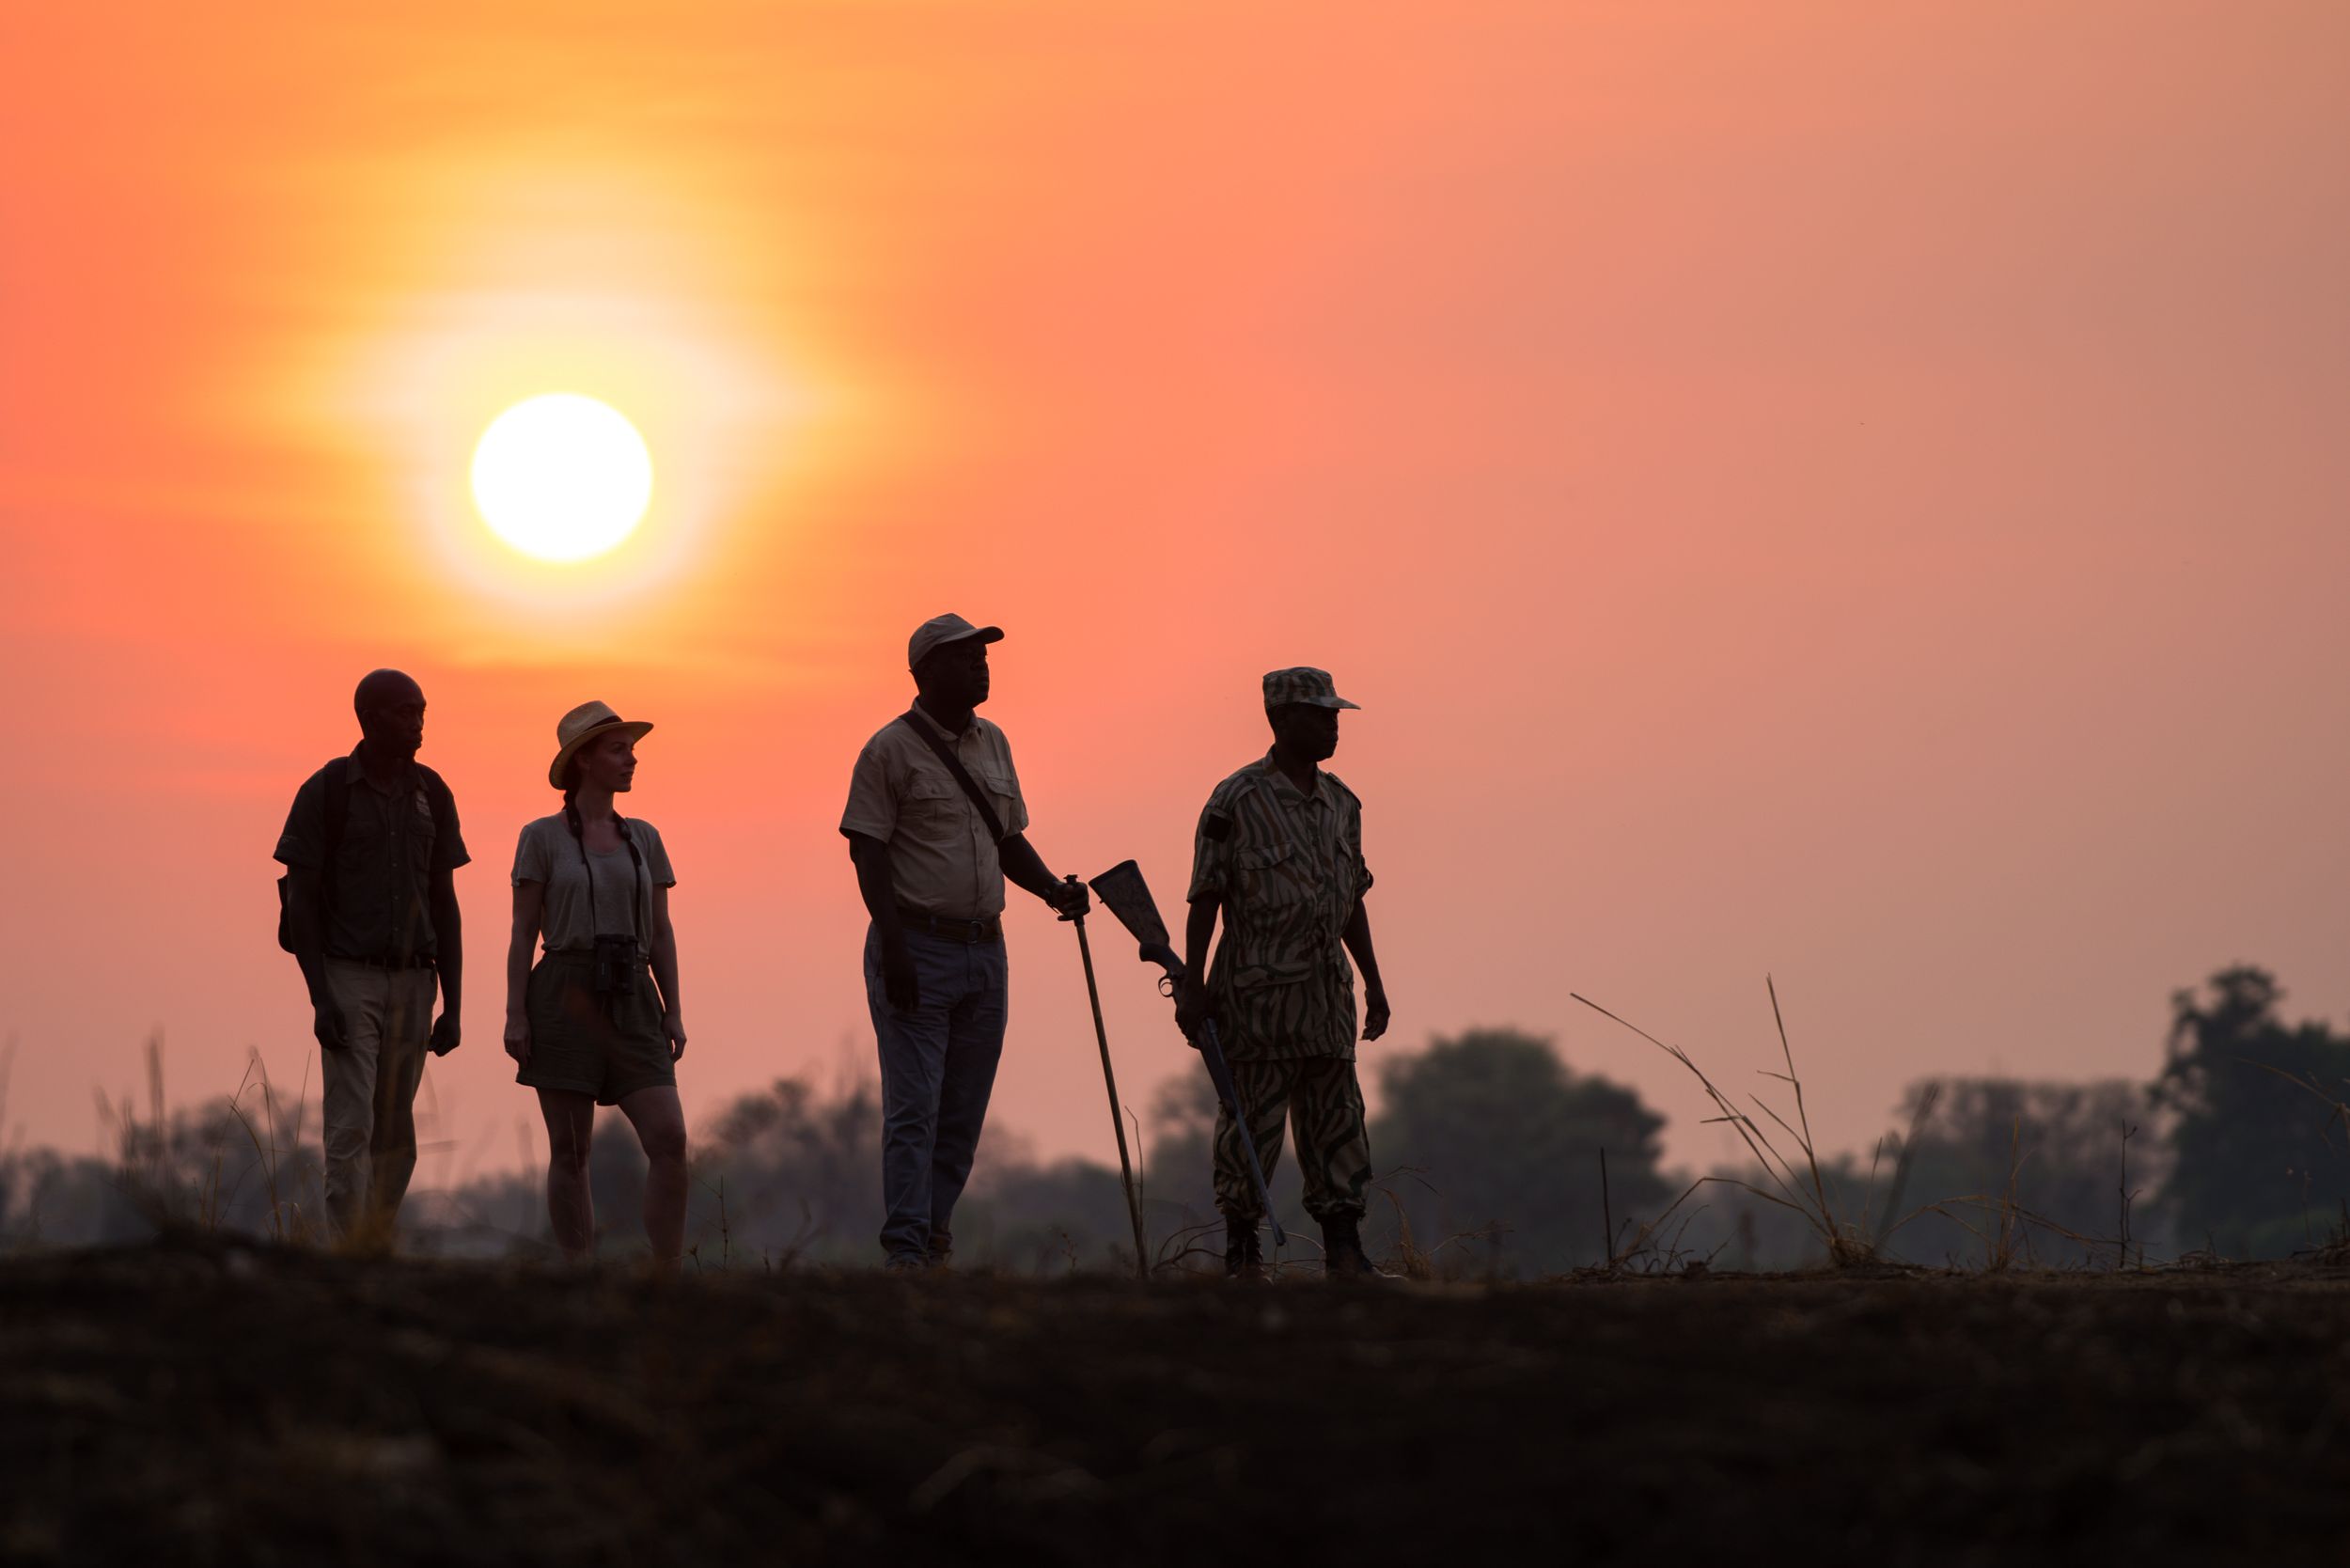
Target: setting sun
562	476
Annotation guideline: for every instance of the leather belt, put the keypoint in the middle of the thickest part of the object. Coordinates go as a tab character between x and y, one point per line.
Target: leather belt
393	964
953	928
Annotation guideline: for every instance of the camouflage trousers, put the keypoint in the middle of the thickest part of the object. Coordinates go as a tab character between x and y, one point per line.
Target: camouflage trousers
1319	1096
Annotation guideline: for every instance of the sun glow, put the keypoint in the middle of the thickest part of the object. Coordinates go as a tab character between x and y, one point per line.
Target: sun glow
562	476
534	279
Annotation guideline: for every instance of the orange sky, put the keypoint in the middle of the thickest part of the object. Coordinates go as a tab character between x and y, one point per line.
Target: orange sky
1848	490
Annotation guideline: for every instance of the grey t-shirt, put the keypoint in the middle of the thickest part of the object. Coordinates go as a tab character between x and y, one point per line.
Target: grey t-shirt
548	855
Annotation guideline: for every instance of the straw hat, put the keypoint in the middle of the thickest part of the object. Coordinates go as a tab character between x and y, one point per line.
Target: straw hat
583	724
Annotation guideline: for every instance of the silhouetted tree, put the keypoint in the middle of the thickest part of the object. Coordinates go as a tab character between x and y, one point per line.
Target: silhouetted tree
2258	1163
2055	1149
216	1167
800	1174
800	1171
1499	1132
1026	1218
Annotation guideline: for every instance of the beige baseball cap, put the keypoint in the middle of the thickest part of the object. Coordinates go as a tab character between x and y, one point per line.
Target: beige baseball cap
1302	684
940	630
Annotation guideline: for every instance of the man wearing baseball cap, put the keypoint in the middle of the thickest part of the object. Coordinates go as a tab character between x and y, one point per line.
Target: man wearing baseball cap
935	822
1279	854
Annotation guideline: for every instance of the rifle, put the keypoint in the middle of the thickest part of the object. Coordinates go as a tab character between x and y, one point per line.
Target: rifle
1124	894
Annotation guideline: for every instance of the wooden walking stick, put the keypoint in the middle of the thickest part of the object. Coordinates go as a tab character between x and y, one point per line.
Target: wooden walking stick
1118	1114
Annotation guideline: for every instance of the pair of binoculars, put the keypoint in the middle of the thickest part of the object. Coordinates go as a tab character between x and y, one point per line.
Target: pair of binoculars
617	965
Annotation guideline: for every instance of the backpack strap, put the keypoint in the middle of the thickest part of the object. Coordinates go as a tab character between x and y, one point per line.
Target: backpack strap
337	777
443	805
954	765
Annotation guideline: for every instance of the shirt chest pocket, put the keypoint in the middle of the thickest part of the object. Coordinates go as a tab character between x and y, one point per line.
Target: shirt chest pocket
385	831
997	787
931	807
422	830
1271	876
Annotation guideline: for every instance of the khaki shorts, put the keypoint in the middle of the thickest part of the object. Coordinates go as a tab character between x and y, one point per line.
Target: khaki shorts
578	1043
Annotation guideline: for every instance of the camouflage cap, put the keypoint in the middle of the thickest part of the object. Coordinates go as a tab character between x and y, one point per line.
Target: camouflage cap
1303	684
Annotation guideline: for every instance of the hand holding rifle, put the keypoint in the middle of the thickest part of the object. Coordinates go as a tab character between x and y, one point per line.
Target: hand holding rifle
1125	895
1192	1009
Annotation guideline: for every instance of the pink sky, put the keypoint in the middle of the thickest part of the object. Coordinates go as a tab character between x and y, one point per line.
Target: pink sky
1847	491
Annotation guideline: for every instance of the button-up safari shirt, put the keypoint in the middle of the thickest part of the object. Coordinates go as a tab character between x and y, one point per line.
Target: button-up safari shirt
380	897
941	859
1287	865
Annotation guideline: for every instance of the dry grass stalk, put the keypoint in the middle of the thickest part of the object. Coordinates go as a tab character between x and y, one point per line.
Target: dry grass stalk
725	1232
2006	1224
2007	1235
145	1168
2340	1112
1409	1260
1903	1162
1804	1191
1642	1252
1179	1246
271	1156
2128	1195
142	1153
1141	1192
1406	1258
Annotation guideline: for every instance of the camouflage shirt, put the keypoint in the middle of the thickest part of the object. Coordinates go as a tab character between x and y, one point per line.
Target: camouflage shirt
1288	868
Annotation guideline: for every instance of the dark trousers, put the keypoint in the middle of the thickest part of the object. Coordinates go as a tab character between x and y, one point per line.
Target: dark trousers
937	1069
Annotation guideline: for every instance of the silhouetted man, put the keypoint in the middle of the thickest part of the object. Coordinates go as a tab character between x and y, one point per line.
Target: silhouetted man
1279	852
935	822
369	848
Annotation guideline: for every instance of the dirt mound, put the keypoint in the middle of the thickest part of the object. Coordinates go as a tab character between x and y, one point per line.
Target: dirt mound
199	1402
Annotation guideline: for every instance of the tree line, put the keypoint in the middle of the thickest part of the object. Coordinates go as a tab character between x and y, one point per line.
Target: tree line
1498	1158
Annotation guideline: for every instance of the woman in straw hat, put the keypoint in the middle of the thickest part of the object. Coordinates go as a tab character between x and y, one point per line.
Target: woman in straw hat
588	1026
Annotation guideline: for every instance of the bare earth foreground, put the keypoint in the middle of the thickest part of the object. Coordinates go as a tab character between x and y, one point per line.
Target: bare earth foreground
201	1402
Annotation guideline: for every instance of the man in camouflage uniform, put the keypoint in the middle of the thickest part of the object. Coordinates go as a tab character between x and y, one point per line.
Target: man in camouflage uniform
1279	854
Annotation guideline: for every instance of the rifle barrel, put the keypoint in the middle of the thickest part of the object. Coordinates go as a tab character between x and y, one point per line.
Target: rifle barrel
1220	1074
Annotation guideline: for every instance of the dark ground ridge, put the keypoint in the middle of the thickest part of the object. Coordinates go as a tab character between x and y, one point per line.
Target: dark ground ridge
206	1401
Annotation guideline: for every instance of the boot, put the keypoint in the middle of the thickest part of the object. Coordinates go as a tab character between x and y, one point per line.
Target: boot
1244	1259
1342	1255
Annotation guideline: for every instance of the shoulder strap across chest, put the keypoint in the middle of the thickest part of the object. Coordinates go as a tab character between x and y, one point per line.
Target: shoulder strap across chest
954	765
337	777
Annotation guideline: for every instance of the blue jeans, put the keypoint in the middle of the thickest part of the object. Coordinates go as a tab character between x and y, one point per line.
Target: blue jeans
937	1069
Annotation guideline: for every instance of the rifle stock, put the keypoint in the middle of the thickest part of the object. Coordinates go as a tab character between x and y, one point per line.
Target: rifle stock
1125	895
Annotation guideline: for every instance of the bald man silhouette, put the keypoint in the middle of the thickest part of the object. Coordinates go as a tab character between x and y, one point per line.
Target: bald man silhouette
371	849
